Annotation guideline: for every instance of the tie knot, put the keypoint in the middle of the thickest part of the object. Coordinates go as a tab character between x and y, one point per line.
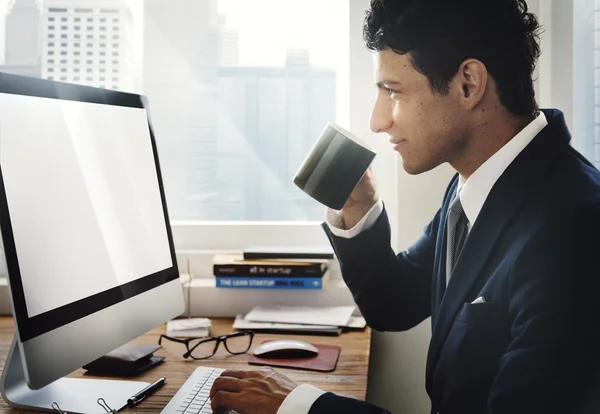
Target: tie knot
456	206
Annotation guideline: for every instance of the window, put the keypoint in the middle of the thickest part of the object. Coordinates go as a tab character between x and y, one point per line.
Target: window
63	53
63	78
51	52
90	45
76	70
63	69
245	144
50	19
50	27
103	62
90	19
586	86
63	45
77	27
51	36
231	143
63	61
64	19
50	69
50	77
76	44
102	70
77	53
63	36
50	44
50	61
76	78
90	28
64	27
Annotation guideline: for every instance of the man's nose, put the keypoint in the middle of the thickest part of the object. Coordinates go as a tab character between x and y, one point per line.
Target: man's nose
381	116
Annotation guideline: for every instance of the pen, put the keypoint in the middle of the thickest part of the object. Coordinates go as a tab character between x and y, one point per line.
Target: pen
138	397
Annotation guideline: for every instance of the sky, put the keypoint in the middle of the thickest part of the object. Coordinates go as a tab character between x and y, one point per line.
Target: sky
269	27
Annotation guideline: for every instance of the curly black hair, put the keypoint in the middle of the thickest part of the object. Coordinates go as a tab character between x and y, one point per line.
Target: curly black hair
441	34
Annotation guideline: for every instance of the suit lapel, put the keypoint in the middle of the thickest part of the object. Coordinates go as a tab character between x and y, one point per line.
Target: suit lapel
439	284
503	203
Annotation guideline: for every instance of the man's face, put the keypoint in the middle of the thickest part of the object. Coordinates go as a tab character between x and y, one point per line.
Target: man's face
427	129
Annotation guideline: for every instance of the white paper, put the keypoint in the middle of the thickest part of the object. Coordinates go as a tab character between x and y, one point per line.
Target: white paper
188	333
241	323
356	322
329	315
184	324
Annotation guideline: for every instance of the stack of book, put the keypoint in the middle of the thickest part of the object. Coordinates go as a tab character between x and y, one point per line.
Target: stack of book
264	272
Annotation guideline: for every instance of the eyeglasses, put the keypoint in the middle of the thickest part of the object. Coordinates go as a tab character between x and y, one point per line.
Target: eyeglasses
236	343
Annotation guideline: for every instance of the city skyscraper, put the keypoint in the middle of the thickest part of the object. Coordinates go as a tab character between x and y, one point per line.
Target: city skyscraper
180	77
269	118
229	44
89	43
22	45
22	39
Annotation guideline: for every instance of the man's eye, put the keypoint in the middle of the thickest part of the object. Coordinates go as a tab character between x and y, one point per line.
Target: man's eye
391	91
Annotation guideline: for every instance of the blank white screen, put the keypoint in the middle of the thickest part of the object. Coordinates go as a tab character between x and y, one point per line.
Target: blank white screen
83	197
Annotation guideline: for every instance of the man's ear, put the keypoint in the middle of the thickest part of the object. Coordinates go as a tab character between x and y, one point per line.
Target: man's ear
472	77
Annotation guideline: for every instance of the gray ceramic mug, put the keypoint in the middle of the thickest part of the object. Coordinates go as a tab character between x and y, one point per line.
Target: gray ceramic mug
334	166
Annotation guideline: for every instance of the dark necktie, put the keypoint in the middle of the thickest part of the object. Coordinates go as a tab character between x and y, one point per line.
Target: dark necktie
458	227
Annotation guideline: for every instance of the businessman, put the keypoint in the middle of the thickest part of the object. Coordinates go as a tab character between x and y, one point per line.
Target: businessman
507	269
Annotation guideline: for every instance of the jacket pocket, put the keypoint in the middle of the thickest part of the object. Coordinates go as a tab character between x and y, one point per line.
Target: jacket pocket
478	313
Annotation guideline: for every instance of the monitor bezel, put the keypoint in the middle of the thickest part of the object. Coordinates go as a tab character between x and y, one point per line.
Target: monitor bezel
32	327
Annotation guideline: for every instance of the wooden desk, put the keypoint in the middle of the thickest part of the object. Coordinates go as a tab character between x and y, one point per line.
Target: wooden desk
349	378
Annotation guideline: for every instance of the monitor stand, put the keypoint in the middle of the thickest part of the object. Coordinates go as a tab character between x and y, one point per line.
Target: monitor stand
73	395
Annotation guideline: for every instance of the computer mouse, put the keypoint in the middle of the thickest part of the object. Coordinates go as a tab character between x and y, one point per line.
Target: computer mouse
286	348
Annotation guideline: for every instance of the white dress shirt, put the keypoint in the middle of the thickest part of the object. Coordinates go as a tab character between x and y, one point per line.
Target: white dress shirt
472	192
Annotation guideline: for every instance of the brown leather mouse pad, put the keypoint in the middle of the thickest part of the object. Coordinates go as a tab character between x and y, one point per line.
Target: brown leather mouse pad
325	361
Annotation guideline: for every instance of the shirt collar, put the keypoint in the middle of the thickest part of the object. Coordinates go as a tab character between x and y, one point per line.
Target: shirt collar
474	191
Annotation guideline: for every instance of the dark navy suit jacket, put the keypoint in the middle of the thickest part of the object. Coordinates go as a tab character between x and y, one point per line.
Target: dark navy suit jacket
533	253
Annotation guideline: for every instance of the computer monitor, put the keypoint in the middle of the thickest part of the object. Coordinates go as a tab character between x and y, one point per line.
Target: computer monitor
86	234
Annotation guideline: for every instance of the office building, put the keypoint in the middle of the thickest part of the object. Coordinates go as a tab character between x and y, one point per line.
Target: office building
180	77
22	33
269	118
229	44
89	42
21	40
